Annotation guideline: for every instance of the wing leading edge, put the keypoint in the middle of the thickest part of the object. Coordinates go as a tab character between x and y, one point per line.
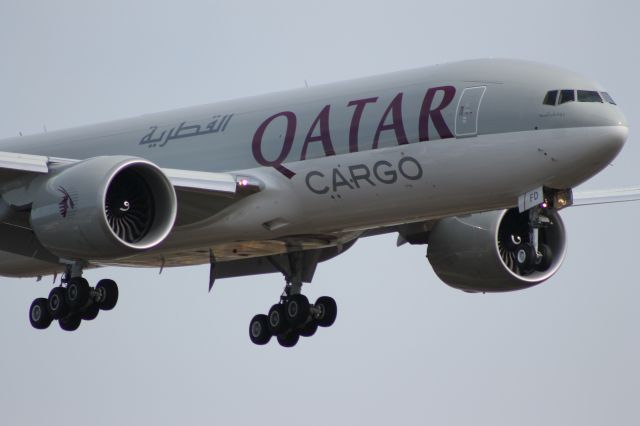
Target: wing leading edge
200	194
606	196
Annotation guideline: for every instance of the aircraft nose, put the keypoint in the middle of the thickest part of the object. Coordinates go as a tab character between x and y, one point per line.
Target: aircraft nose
616	137
615	117
613	123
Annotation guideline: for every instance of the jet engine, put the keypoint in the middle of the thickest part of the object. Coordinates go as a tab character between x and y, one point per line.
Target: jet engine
103	208
497	251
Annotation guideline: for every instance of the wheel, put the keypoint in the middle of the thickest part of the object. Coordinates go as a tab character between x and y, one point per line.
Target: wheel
288	340
277	319
525	258
78	292
309	329
297	309
108	290
39	314
259	330
57	303
328	311
90	312
544	262
70	323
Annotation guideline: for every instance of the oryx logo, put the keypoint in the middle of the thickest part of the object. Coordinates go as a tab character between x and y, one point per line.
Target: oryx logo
65	203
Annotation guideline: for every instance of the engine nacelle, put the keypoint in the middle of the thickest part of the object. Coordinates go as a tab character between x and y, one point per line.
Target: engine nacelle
479	252
103	208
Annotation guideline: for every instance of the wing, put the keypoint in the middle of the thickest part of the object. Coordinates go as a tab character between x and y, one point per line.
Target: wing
204	194
200	194
620	195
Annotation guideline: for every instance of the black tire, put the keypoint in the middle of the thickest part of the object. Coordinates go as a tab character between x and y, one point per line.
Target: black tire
546	259
309	329
70	323
297	309
526	258
108	290
277	319
328	311
259	330
39	315
78	293
288	340
90	312
57	303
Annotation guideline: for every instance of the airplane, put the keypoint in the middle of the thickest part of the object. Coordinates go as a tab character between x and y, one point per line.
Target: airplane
474	159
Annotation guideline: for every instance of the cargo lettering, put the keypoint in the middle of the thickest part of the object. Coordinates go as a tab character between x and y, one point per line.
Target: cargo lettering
358	176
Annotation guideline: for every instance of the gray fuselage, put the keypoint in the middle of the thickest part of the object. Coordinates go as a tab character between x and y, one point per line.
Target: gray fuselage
339	159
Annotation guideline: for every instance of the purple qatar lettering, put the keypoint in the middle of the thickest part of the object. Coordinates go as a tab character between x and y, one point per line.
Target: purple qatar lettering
320	129
355	121
256	145
435	114
395	108
324	136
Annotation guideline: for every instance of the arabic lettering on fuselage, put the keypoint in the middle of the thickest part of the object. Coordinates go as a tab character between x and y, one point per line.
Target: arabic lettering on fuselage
391	120
218	124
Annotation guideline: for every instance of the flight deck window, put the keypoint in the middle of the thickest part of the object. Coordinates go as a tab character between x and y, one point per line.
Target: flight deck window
589	96
567	96
607	97
550	98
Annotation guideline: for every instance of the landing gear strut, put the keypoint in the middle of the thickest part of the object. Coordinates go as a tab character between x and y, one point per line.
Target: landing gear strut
293	316
530	252
73	301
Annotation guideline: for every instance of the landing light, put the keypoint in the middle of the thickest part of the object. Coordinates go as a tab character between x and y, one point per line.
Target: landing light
562	199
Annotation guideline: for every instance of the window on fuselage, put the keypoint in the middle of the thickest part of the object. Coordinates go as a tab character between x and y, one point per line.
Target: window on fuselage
607	97
550	97
567	96
589	96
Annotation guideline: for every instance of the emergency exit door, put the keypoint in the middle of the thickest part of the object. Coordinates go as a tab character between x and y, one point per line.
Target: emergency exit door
468	111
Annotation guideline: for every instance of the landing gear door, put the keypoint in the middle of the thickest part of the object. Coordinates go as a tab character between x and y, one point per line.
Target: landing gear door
468	110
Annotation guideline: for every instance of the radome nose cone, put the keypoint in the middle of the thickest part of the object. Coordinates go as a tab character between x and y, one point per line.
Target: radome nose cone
612	143
617	118
618	136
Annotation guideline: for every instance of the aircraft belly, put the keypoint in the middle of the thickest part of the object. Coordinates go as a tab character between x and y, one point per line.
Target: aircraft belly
226	252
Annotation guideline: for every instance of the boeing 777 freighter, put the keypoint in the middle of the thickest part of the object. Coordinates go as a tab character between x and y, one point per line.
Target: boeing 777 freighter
474	159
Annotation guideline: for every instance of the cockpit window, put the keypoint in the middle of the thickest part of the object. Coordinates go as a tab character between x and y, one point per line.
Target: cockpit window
559	97
589	96
567	96
550	98
607	97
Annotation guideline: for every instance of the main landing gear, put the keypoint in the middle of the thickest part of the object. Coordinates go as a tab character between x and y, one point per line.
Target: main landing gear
73	303
293	316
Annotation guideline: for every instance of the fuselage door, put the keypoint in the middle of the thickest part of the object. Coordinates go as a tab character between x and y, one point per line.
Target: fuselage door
468	110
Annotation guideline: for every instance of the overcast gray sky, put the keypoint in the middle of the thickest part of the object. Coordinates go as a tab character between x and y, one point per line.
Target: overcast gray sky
405	349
